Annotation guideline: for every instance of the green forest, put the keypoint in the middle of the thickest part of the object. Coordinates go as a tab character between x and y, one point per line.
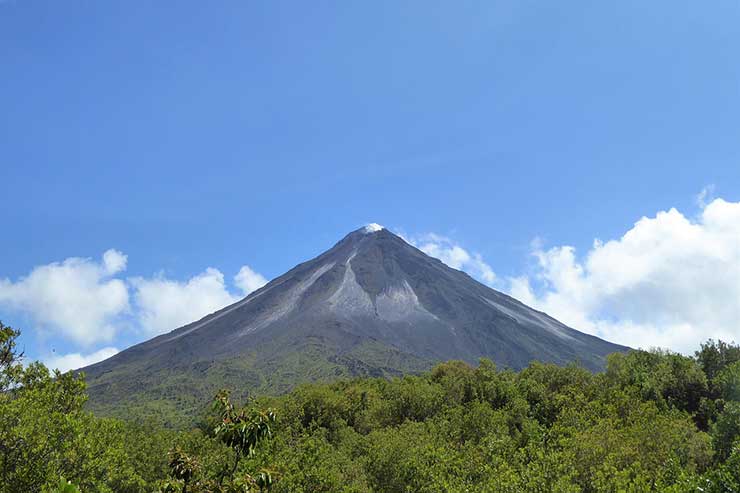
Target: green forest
652	421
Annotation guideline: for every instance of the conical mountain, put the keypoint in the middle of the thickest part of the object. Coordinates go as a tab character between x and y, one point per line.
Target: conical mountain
371	305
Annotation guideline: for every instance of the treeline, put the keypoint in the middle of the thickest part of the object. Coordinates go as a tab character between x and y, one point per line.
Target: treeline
653	421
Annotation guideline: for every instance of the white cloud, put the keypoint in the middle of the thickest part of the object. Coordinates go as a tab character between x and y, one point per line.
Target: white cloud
73	361
114	261
75	299
248	280
164	304
373	228
455	256
669	281
81	300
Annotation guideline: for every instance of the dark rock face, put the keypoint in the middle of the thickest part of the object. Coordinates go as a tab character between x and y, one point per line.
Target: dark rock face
371	305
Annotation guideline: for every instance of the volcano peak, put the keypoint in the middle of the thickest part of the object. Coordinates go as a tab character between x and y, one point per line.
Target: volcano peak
372	228
371	305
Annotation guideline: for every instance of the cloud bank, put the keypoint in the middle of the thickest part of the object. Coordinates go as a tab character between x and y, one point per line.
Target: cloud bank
77	298
88	302
165	304
670	281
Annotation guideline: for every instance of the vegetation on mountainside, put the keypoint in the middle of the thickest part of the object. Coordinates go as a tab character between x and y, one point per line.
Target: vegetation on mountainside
653	421
175	396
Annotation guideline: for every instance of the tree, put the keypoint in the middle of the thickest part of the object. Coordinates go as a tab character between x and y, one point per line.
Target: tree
635	427
715	355
726	383
242	430
10	360
726	431
667	378
182	467
45	434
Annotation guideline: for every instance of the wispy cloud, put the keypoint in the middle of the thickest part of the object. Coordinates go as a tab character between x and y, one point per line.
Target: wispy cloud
73	361
705	196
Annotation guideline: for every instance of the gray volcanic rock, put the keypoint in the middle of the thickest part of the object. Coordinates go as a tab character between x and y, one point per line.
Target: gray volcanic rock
371	305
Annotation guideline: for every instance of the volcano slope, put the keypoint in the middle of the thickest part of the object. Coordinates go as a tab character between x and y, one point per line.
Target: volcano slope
372	305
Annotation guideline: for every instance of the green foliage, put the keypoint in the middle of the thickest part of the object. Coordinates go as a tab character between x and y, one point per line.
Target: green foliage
174	396
63	486
10	360
716	355
654	421
726	477
667	378
726	384
182	466
243	430
726	430
45	434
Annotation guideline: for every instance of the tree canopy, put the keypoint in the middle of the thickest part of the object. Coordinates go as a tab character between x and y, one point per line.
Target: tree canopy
653	421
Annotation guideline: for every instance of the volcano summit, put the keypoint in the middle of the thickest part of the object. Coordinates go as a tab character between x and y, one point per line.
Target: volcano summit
371	305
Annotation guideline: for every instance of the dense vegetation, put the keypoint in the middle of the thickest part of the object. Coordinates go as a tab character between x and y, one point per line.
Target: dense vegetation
653	421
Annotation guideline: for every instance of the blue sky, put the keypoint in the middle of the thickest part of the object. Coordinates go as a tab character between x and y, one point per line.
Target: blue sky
202	135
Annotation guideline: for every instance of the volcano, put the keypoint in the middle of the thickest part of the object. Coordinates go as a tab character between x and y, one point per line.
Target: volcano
372	305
